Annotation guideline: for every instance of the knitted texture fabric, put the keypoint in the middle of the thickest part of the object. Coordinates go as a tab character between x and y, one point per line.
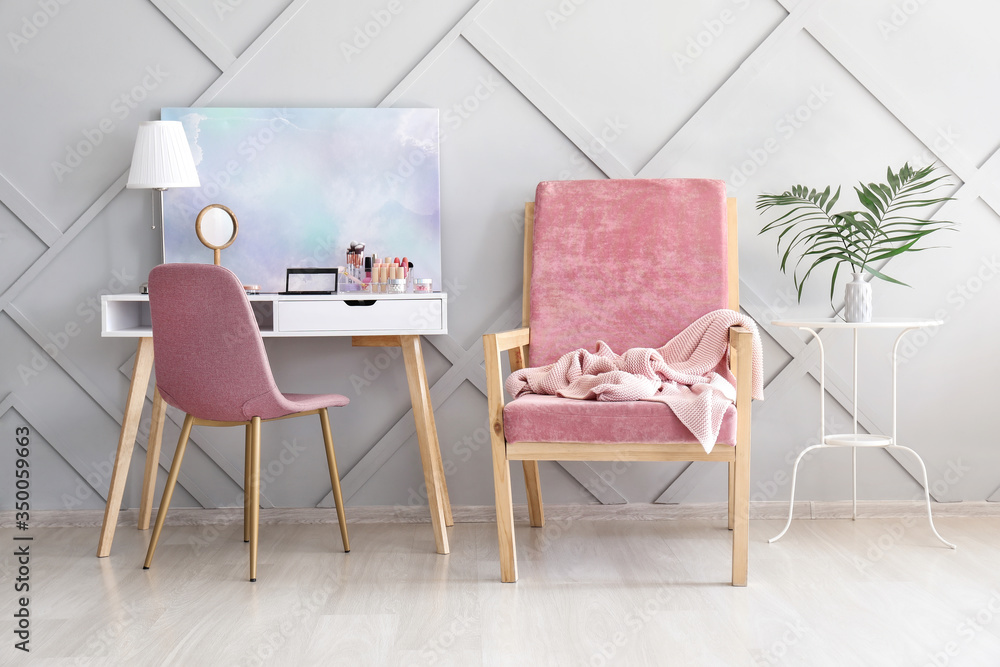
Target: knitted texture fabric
690	374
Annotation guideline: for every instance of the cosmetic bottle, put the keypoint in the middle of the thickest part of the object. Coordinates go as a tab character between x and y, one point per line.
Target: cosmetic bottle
383	278
366	280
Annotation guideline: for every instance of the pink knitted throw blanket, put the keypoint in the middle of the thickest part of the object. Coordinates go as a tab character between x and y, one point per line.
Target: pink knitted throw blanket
690	374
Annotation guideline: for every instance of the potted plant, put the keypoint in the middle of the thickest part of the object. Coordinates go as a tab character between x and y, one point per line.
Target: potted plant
864	239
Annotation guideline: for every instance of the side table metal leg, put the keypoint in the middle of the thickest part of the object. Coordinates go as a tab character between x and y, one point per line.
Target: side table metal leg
854	450
791	500
927	494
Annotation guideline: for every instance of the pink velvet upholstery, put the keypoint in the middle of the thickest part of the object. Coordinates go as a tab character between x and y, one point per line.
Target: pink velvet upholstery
209	356
630	262
538	418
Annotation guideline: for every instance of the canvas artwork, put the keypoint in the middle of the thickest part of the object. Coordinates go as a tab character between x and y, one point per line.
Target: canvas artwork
305	183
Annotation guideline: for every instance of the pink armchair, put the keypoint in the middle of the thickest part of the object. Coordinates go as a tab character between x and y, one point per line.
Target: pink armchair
211	363
632	263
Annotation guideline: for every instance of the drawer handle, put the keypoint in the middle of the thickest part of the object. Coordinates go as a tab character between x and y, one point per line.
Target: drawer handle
360	302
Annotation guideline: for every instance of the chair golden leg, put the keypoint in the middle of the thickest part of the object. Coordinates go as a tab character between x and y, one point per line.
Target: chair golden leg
533	485
254	493
331	459
168	489
152	459
246	486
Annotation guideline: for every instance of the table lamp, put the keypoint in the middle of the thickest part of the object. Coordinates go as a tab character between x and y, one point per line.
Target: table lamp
162	159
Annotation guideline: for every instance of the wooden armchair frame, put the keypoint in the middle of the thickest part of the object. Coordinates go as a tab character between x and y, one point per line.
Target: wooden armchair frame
516	342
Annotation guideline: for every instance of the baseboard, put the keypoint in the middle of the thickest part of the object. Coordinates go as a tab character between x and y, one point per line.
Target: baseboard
486	514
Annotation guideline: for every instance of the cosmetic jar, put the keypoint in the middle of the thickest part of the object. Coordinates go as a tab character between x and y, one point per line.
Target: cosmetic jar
423	285
396	286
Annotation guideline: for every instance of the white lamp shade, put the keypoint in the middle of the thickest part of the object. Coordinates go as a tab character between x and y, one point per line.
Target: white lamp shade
162	157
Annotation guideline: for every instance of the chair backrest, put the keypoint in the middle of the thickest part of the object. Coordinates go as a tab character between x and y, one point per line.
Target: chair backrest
631	262
209	356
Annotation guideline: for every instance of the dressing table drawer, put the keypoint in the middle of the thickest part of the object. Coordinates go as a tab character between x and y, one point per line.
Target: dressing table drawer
332	315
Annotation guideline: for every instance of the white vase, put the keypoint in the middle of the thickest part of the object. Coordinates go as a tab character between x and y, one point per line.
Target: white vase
858	299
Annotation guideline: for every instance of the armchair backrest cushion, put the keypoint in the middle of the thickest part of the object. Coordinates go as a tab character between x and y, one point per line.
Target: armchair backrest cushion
631	262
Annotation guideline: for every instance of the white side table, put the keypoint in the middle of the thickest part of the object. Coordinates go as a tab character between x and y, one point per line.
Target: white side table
855	439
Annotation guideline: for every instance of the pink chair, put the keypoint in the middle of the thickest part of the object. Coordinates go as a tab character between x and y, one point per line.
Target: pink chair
632	263
211	363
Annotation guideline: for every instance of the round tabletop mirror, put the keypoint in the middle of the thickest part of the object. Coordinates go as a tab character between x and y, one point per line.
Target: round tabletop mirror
216	227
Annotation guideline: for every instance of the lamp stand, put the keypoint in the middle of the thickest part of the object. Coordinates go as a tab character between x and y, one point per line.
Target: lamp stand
153	202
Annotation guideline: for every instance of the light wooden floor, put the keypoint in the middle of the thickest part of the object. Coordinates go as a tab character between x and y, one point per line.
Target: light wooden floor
874	592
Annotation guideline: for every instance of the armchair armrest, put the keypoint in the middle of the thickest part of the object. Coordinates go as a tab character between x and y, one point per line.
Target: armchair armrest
514	342
741	345
507	340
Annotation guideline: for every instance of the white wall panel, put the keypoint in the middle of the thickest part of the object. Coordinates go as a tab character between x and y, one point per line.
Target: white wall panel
235	23
94	71
813	91
320	59
613	65
19	247
934	55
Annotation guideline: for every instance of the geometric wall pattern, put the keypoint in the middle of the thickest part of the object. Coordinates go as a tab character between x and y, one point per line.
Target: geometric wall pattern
762	94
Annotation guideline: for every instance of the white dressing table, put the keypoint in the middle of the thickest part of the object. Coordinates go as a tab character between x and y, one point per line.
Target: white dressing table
372	320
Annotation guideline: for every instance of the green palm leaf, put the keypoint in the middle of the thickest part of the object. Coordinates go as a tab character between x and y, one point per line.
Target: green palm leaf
886	226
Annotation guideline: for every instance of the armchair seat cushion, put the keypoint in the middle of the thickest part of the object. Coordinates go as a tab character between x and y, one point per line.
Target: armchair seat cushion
541	418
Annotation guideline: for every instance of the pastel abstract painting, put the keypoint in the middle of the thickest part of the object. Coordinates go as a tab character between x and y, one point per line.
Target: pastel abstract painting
305	183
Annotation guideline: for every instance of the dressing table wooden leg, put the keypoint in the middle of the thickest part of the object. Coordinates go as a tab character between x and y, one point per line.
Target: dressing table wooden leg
439	471
126	441
430	453
152	459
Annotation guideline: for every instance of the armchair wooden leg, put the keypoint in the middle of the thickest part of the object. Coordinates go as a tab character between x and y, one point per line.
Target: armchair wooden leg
732	492
505	513
533	485
254	493
168	489
741	512
331	459
739	471
247	463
